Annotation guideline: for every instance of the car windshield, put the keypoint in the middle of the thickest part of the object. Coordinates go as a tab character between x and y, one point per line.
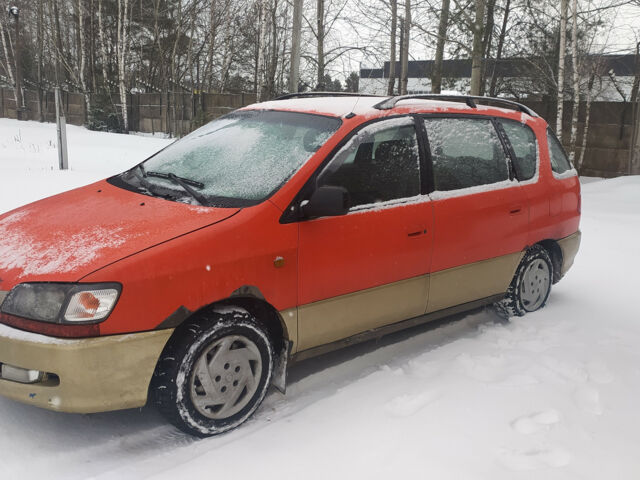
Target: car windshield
237	160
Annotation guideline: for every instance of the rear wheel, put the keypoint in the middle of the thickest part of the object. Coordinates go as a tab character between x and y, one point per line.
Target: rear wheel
530	286
214	374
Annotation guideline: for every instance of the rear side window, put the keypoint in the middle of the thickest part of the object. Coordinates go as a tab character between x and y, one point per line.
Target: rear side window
379	163
523	142
465	152
559	161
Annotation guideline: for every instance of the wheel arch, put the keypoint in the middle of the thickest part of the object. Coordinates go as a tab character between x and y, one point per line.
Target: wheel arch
250	299
555	253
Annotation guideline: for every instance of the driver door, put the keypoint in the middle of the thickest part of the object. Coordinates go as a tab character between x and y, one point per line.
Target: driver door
368	268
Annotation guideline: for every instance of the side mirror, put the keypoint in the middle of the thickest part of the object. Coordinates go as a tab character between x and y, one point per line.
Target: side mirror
327	201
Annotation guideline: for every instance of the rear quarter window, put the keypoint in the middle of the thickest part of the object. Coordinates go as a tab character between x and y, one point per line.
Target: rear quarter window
559	161
525	147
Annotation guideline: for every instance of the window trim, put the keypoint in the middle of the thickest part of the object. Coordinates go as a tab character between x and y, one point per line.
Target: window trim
469	190
292	213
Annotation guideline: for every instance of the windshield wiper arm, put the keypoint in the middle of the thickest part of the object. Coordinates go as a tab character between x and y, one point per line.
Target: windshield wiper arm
143	181
179	181
188	181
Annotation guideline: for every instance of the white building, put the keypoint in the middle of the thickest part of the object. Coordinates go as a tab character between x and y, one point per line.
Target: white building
514	77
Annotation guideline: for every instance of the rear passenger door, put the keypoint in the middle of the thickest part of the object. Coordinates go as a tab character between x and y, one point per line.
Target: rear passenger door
368	268
480	211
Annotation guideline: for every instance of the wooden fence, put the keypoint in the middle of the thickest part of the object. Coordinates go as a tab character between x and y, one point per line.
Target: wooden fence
607	152
172	113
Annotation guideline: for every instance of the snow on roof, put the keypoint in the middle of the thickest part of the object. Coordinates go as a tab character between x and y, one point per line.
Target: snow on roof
340	106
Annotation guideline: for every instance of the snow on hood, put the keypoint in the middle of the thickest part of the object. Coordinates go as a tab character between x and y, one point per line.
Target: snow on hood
68	236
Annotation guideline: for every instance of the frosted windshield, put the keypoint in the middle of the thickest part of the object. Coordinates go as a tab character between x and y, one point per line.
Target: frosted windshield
244	156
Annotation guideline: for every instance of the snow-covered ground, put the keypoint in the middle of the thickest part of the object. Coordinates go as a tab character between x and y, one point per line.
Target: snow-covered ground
552	395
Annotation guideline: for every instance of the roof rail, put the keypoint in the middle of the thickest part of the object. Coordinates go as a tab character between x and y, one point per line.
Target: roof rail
470	100
323	94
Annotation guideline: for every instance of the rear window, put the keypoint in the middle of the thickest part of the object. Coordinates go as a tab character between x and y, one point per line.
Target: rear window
465	152
559	161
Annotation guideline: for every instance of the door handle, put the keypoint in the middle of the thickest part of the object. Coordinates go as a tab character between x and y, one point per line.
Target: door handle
515	210
417	233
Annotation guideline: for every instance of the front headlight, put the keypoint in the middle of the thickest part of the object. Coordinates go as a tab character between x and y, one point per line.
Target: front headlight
62	302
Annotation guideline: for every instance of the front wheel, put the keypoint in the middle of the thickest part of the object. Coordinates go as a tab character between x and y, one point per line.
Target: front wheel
215	373
530	286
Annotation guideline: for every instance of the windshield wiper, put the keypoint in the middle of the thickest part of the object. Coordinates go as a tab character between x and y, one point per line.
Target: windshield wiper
185	183
171	176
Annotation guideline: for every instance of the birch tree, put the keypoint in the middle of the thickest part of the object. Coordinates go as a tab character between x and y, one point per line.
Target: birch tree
560	79
576	81
296	39
122	49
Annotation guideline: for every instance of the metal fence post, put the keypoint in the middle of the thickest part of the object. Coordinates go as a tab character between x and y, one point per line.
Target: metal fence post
61	128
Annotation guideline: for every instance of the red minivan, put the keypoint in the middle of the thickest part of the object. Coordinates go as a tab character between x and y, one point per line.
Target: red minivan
275	233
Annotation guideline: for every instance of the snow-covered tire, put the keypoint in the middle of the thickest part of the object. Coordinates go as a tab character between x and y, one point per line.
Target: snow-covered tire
208	363
530	286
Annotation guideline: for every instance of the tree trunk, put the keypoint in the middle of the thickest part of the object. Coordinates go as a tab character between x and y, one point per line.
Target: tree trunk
320	31
123	6
486	43
8	61
58	40
296	37
40	43
103	46
83	60
208	70
576	82
560	81
392	55
634	151
503	33
262	45
404	59
585	130
436	78
476	53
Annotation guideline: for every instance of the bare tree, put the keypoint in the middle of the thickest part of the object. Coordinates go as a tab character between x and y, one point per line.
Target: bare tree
320	33
501	39
296	39
560	80
392	41
476	53
404	57
123	40
436	78
262	45
576	81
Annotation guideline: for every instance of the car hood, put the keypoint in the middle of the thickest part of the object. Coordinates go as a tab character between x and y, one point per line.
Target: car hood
65	237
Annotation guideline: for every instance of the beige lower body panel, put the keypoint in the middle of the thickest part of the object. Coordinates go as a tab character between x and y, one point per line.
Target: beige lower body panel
290	319
341	317
336	318
96	374
458	285
569	246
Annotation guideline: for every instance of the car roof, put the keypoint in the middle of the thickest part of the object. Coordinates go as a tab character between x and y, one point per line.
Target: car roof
342	105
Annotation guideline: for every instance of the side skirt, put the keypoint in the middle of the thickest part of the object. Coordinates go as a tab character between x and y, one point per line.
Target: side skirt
392	328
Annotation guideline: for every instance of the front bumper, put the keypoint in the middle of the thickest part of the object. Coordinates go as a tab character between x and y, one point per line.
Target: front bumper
95	374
